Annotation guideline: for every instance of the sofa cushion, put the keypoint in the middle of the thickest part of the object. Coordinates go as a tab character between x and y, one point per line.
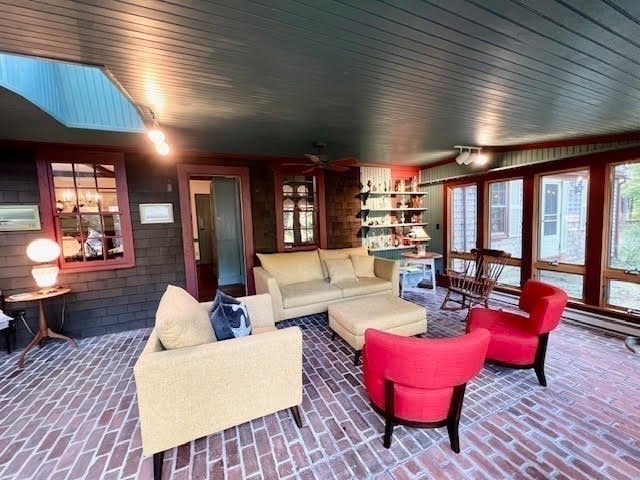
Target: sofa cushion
294	267
364	286
340	270
307	293
181	321
363	265
229	317
337	253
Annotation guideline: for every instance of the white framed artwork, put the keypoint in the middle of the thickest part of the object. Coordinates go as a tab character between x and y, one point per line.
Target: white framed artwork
156	213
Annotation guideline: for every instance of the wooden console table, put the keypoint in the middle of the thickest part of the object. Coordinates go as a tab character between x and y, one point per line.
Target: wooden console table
43	328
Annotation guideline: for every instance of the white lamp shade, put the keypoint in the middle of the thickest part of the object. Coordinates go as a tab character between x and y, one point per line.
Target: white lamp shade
45	275
43	250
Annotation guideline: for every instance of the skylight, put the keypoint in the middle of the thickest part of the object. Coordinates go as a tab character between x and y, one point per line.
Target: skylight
78	96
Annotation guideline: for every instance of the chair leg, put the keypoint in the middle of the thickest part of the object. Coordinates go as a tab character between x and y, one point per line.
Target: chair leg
541	354
295	411
333	335
356	357
453	418
388	432
157	465
389	411
454	438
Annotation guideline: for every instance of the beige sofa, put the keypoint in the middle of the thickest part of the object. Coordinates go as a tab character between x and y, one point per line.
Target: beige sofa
191	392
299	282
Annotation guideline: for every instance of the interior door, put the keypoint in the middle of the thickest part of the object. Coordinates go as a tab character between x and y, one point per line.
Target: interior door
228	239
204	218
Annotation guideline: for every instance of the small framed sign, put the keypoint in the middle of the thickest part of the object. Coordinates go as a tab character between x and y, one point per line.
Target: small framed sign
156	213
15	218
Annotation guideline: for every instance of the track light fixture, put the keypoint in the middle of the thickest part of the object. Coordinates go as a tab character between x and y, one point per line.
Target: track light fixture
157	136
470	155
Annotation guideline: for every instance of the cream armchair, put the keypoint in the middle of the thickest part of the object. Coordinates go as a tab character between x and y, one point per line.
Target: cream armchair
192	392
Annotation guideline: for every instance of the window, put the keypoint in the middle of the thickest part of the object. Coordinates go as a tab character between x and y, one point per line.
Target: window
463	205
299	212
622	262
464	202
84	198
505	225
562	226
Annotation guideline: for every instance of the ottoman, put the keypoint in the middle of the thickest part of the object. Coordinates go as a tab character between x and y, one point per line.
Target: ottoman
388	313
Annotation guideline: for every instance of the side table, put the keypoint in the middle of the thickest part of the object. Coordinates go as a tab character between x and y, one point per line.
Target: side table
43	328
428	258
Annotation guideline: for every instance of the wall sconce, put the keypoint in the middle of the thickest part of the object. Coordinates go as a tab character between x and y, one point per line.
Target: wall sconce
470	155
44	251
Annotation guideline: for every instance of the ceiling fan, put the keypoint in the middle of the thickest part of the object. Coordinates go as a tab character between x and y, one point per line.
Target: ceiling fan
320	160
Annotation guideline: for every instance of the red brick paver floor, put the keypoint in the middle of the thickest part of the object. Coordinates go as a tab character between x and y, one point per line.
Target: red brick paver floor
72	414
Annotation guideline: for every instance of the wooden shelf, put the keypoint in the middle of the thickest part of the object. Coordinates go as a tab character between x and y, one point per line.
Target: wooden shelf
401	247
391	225
382	194
418	209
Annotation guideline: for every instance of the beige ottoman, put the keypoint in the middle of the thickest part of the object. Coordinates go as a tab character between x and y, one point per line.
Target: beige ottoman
388	313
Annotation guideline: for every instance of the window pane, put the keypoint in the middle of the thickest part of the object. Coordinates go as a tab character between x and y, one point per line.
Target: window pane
464	215
510	276
563	217
624	230
85	176
624	294
505	217
299	211
569	282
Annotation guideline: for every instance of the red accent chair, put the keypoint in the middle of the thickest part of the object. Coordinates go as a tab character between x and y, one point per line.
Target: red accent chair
420	382
520	341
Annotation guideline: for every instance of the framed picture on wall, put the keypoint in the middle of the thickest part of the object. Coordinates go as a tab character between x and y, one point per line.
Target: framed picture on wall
156	213
15	218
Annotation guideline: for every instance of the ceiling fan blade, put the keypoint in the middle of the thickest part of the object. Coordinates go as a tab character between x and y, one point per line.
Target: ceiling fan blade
337	168
314	158
309	170
346	161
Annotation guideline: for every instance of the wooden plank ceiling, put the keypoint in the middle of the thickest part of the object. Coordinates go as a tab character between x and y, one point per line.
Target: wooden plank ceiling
386	81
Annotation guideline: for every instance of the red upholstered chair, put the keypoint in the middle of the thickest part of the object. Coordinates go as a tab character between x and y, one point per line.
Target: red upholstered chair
517	340
420	382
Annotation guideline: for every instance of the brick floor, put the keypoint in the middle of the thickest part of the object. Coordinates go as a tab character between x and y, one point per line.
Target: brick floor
71	413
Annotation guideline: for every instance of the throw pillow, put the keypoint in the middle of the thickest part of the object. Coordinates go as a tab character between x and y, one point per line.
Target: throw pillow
181	321
229	317
363	265
340	270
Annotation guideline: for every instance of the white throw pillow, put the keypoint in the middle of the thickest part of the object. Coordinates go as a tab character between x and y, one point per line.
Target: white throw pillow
363	265
340	270
181	321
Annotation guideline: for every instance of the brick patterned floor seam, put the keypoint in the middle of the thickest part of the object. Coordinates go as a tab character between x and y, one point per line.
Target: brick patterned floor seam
72	414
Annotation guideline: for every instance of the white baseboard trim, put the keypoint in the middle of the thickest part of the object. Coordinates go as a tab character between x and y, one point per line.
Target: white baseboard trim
596	321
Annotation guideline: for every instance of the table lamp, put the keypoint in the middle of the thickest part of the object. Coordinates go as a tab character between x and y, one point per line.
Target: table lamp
44	251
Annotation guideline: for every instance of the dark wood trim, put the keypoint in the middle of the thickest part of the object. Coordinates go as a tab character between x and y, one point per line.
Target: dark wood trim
185	172
596	216
321	210
44	157
596	163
